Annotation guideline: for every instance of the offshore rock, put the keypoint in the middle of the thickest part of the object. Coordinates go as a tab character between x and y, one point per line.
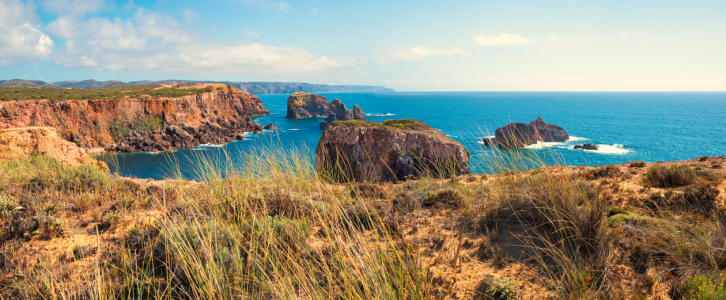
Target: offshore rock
270	127
586	147
520	135
361	151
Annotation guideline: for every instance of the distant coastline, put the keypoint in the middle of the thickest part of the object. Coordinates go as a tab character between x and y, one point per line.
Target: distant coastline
250	87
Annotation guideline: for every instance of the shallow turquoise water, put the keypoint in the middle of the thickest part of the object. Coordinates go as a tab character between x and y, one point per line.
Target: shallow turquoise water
627	126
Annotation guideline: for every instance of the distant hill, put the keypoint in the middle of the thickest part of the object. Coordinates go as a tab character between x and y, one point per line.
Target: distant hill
23	82
89	84
250	87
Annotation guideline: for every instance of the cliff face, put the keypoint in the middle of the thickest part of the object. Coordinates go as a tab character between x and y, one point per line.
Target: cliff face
130	125
26	141
395	150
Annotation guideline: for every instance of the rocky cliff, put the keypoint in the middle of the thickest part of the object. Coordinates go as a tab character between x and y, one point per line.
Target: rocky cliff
390	151
520	134
130	124
23	142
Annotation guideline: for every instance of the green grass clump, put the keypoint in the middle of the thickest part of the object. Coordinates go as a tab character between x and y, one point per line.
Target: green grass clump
403	124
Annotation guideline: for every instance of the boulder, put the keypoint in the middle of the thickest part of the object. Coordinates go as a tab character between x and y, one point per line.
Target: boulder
520	134
329	120
304	105
270	127
362	151
586	147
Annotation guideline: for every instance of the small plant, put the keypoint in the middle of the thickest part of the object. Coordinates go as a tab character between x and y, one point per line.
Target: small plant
501	289
637	164
111	218
445	196
705	287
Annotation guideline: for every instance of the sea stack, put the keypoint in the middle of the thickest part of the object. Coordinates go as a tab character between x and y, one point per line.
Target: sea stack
517	135
395	150
303	105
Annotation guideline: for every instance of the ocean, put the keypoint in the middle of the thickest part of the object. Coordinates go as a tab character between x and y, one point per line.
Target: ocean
626	126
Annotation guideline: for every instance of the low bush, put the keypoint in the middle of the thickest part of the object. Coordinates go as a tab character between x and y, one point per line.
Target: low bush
664	177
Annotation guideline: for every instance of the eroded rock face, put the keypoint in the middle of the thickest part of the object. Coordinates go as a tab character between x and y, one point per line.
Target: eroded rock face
304	105
23	142
338	112
132	125
395	150
519	134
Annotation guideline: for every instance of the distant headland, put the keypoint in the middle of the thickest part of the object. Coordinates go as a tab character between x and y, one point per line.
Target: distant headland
250	87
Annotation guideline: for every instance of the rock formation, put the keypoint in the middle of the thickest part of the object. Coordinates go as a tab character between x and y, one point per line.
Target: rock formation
131	125
390	151
270	127
304	105
586	147
23	142
519	134
338	112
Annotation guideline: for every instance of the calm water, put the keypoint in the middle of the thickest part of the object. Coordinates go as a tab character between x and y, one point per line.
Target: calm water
626	126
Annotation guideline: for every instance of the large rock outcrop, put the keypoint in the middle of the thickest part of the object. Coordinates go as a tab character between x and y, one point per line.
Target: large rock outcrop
23	142
131	125
338	112
390	151
520	135
303	105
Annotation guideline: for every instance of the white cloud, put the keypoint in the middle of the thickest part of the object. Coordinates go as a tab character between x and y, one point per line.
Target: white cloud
20	40
251	33
189	15
151	42
503	40
74	7
419	53
626	34
264	4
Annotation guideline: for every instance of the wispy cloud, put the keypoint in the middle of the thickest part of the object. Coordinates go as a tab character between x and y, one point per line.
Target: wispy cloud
20	40
264	4
189	15
502	40
626	34
151	42
251	33
74	7
419	53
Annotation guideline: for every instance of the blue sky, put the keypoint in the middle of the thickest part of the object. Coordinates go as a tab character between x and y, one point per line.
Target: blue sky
406	45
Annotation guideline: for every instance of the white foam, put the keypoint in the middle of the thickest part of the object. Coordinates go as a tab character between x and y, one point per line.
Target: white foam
576	138
616	149
380	115
542	145
209	146
294	129
154	152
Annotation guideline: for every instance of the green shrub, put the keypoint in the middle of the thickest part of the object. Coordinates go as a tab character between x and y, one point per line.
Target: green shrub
445	196
676	175
500	289
637	164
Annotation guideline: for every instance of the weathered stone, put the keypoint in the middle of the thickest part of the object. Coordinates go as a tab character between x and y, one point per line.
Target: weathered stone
392	151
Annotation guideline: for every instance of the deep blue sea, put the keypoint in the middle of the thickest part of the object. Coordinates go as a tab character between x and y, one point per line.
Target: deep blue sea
627	126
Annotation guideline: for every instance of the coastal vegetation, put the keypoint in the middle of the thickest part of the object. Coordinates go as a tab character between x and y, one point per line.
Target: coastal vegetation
268	226
18	93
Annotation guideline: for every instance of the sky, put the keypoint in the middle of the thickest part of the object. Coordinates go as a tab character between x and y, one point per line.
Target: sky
422	45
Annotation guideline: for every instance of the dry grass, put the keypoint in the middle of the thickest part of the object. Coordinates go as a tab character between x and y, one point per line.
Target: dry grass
266	226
